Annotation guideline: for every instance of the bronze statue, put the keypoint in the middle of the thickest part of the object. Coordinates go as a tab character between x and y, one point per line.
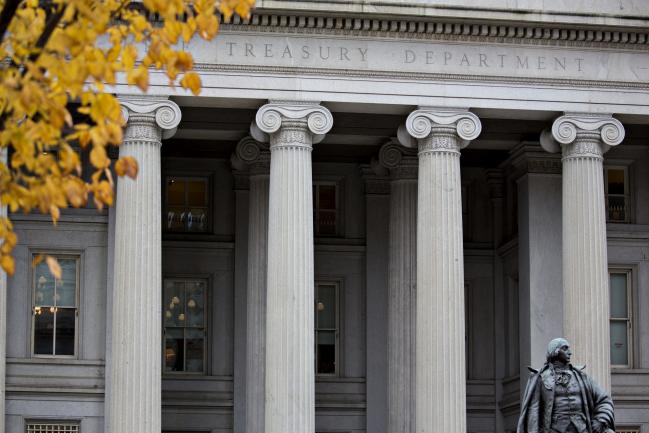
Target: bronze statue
561	398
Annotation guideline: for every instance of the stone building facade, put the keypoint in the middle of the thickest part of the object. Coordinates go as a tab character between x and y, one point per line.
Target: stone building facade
373	219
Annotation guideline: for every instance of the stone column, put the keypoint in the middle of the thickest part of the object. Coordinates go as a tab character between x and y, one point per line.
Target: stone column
257	157
440	352
539	264
583	139
402	281
290	395
133	397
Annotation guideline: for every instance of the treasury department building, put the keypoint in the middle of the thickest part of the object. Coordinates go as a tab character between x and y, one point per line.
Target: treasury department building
373	219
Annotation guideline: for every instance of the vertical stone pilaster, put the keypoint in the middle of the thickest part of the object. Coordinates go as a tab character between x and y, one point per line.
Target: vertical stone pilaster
257	157
133	397
377	205
440	350
583	139
402	283
290	393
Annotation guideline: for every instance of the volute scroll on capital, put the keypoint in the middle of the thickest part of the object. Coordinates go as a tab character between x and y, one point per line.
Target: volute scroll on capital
401	161
271	116
167	113
252	154
568	128
421	122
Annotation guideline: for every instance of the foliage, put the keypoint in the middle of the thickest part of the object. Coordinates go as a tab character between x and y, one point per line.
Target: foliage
59	56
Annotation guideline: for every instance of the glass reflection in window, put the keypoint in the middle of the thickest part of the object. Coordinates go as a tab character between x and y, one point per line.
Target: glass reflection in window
184	310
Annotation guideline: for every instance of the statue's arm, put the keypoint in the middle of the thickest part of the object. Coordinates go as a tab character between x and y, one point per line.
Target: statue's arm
602	406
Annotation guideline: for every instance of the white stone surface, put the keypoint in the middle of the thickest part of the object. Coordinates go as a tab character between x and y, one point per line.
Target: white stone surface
402	283
290	393
440	352
258	157
133	397
583	140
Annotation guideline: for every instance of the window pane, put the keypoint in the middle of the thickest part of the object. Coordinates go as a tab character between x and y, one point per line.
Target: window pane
44	285
195	350
326	307
616	208
174	350
175	192
327	222
618	291
327	197
66	288
44	331
195	304
196	192
196	220
326	352
173	301
65	318
619	343
615	180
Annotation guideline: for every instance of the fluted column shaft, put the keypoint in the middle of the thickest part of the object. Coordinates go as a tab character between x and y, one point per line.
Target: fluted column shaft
440	350
249	151
133	395
583	139
290	394
402	283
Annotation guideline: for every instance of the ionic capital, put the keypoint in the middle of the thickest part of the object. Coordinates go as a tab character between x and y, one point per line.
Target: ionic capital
308	115
583	134
401	161
253	154
157	111
454	128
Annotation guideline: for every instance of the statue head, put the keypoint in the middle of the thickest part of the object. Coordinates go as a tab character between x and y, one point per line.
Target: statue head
559	349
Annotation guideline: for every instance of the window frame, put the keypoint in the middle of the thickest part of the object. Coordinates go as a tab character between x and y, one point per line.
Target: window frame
73	422
627	192
77	299
628	271
207	177
206	330
336	183
337	283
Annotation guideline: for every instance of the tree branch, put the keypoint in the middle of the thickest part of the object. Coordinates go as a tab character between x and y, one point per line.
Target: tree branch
7	14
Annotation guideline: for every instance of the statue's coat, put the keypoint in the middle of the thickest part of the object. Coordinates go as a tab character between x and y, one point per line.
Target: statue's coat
538	399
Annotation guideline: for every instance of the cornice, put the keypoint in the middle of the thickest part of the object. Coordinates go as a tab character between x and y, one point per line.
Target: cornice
439	29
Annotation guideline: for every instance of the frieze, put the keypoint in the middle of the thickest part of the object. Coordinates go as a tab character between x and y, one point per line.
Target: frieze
439	29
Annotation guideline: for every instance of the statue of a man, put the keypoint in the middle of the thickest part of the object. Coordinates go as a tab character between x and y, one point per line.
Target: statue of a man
561	398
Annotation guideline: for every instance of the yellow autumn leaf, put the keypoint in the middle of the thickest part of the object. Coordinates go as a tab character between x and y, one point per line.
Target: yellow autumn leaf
54	267
98	157
191	81
126	166
8	264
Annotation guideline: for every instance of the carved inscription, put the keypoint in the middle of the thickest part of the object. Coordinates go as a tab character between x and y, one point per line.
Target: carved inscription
429	57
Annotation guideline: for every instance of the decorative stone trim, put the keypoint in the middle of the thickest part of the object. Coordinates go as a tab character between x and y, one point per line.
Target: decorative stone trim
401	161
165	113
440	128
375	184
587	134
439	30
254	154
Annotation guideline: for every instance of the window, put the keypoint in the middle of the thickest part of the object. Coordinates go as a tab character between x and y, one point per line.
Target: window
325	209
184	308
623	429
620	305
55	308
616	189
326	328
51	427
186	204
